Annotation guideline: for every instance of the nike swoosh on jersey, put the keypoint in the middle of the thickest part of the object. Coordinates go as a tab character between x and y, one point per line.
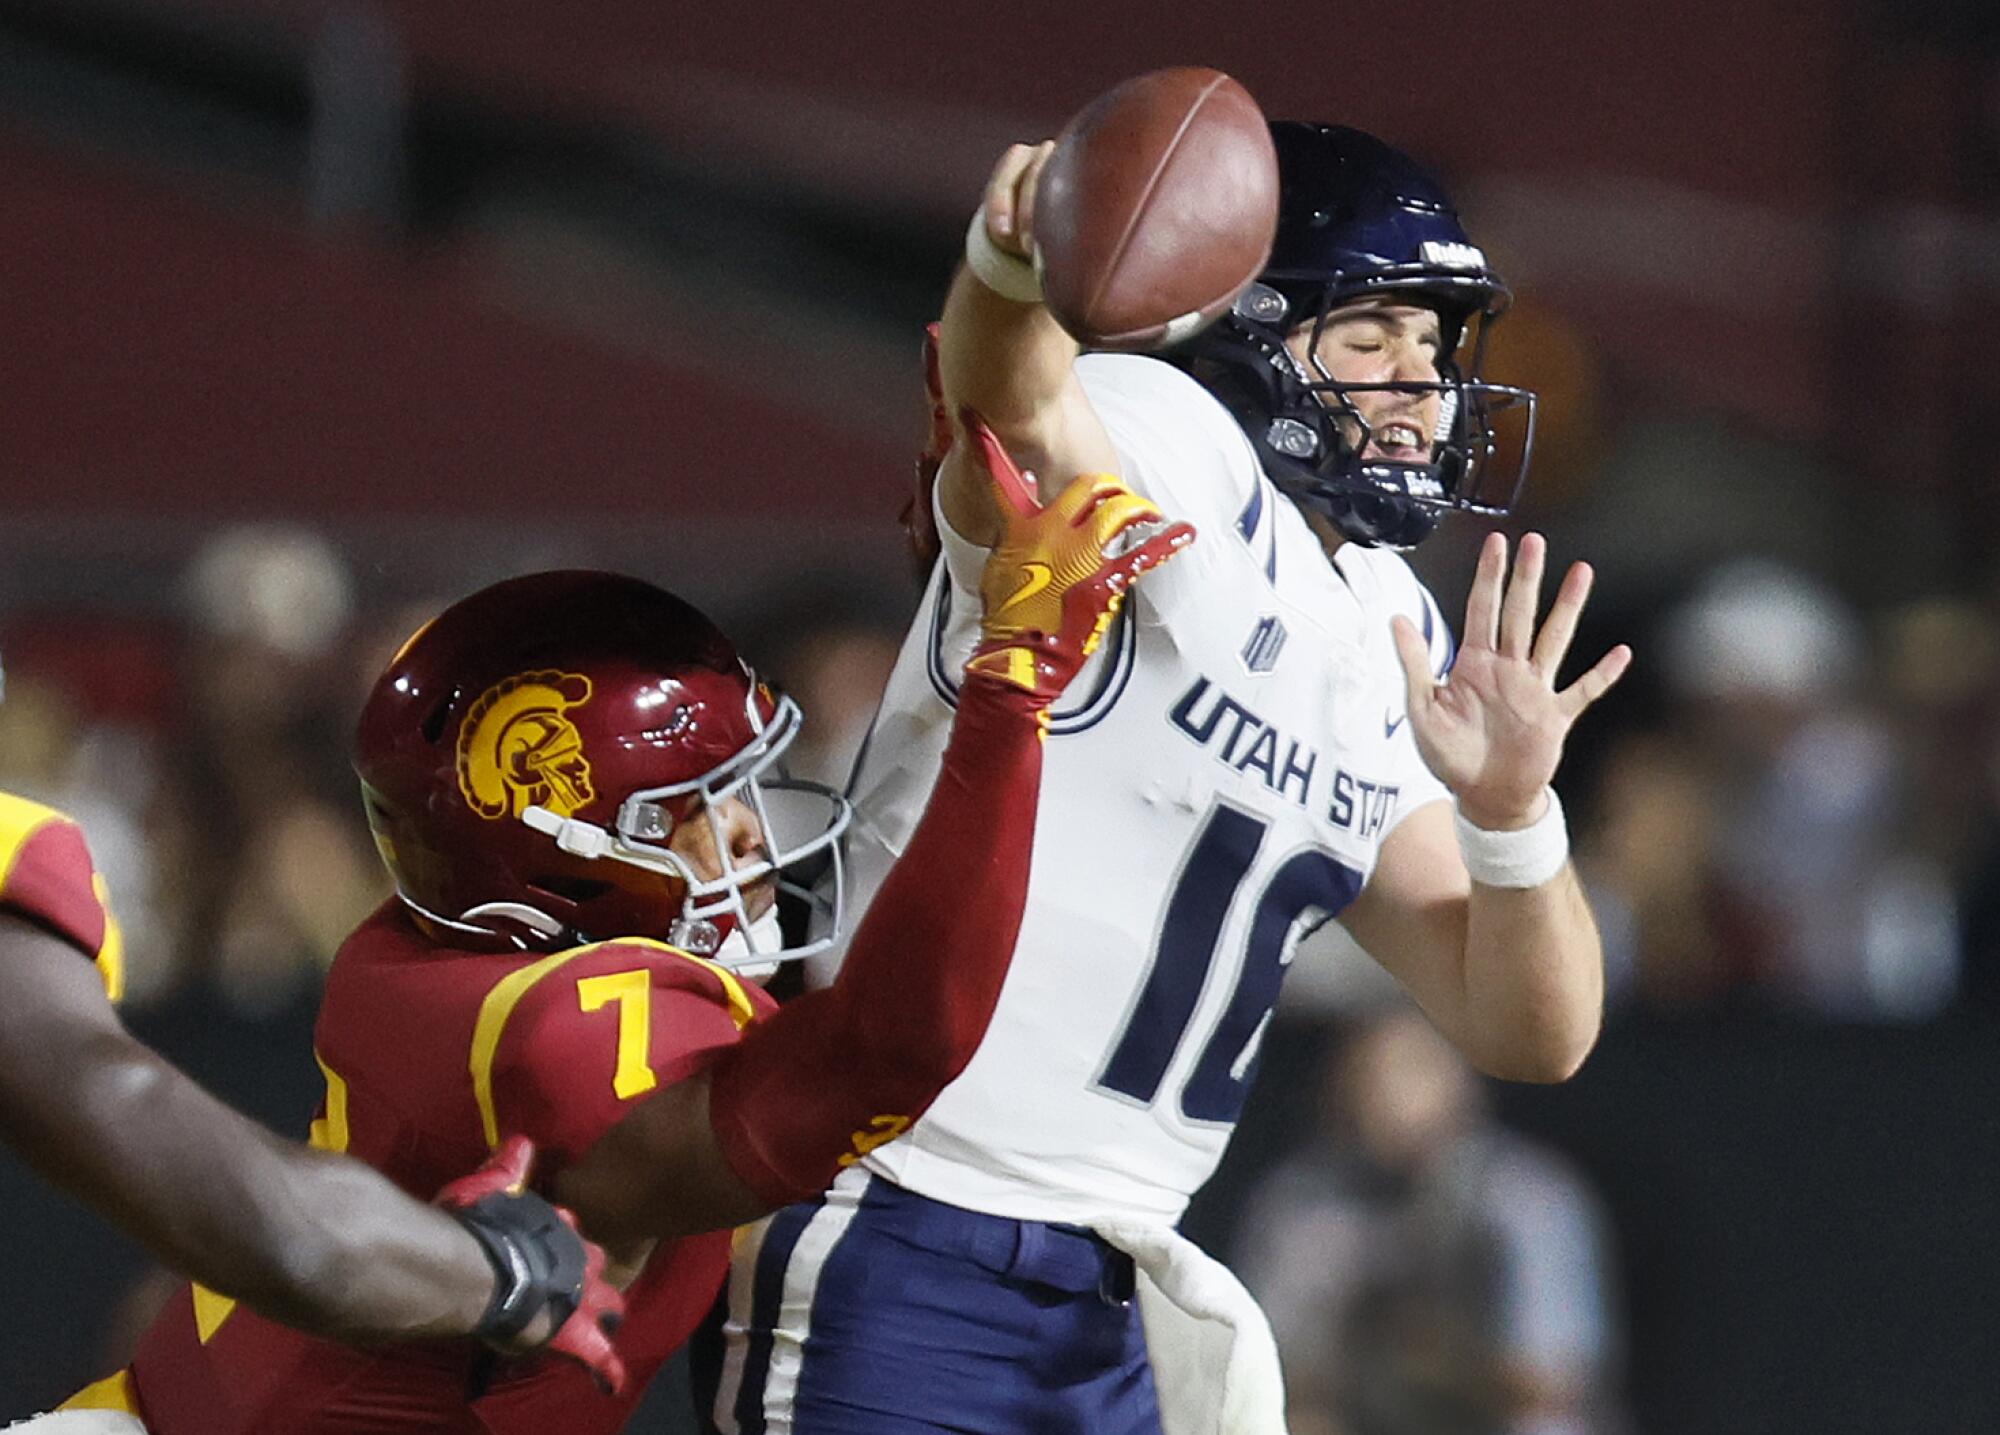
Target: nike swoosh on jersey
1390	725
1036	576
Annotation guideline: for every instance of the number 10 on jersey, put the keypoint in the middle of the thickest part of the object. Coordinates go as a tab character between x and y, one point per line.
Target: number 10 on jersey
1211	880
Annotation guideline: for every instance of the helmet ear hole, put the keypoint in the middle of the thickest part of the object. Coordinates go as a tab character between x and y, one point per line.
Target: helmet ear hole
577	890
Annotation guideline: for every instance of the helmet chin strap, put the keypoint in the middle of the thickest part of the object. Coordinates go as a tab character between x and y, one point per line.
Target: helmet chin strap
748	955
579	839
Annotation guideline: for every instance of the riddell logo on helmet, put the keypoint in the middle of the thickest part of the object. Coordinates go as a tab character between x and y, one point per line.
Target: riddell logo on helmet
1453	256
516	750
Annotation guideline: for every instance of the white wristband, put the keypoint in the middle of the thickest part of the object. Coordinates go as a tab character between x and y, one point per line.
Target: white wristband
1008	275
1524	858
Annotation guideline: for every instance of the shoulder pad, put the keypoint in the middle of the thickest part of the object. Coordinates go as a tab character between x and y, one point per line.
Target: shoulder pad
46	875
547	1011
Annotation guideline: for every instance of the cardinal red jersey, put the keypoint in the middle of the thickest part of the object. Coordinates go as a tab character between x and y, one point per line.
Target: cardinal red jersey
432	1054
46	876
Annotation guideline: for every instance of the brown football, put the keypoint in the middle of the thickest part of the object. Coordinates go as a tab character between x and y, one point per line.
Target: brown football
1156	208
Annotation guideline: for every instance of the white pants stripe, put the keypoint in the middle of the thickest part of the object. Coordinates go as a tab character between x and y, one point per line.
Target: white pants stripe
792	1323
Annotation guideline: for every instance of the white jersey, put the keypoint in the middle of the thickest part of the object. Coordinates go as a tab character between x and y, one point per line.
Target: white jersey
1217	781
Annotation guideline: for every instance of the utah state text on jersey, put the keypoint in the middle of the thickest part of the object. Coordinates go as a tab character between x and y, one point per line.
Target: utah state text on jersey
1357	804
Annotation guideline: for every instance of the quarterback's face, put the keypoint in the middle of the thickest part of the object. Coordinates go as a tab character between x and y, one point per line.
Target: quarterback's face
1378	341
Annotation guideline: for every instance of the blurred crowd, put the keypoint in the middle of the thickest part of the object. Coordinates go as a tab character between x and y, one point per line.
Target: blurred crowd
1426	1271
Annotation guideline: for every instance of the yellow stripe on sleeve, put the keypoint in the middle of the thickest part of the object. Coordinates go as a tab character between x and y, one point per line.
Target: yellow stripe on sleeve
742	1010
211	1309
114	1392
493	1014
111	953
329	1132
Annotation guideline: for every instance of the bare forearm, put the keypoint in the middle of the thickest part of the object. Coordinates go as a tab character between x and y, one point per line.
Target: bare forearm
1513	976
1009	361
1014	366
316	1241
380	1265
1533	979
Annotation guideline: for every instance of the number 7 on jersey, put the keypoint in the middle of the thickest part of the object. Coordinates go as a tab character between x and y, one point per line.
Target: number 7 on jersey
632	992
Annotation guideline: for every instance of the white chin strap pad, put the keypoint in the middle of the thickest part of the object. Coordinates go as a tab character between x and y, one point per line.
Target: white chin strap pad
579	839
751	957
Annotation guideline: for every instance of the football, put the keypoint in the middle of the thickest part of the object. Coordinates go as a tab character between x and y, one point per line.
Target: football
1157	206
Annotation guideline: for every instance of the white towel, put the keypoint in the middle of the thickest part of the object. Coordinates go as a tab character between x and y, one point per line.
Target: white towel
1215	1363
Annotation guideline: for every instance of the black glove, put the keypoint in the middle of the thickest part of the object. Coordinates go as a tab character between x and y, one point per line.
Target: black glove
540	1263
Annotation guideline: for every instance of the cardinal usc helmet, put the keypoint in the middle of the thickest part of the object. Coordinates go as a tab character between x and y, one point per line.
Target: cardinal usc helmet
538	763
1358	219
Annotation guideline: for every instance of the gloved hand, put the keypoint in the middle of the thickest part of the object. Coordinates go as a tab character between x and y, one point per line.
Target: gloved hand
549	1292
1053	583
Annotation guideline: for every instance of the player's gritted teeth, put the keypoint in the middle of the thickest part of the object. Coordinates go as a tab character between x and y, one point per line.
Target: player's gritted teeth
1400	441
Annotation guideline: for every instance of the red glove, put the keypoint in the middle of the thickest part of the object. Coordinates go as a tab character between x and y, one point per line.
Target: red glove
1052	586
540	1263
919	524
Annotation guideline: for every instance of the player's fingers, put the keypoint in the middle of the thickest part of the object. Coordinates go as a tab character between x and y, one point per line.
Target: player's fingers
1007	479
1153	552
1025	190
583	1342
1482	604
1078	501
513	1159
1572	700
1524	597
1001	186
1559	629
1112	511
614	1374
1415	656
1080	497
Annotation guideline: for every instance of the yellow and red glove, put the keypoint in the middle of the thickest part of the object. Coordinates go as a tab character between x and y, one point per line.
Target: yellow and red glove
1052	585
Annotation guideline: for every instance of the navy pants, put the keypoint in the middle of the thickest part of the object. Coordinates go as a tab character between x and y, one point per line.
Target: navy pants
878	1310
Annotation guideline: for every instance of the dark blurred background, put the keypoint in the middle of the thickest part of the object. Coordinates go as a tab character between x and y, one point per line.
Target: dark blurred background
318	313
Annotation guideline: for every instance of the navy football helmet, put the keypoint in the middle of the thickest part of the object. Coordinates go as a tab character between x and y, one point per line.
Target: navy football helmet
1358	219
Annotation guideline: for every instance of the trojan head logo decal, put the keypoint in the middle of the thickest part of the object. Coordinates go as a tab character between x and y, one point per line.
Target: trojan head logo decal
516	750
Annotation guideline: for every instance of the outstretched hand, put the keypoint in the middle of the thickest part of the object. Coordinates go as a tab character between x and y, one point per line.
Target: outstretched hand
1058	574
1493	729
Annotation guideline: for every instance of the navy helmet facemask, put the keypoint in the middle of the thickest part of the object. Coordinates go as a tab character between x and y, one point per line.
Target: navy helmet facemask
1359	220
